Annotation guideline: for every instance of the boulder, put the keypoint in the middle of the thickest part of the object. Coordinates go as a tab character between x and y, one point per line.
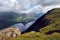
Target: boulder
10	32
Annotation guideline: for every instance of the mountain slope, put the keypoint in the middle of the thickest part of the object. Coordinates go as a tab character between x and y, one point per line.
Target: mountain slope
53	18
7	19
48	22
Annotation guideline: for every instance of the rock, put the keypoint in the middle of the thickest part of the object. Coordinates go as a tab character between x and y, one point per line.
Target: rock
10	32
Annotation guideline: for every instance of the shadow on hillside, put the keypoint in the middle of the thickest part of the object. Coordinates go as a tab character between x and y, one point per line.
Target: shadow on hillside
50	32
40	23
5	24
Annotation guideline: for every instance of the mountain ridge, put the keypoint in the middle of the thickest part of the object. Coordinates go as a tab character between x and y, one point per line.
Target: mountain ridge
45	21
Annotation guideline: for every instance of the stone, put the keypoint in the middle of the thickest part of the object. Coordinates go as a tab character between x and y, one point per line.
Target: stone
10	32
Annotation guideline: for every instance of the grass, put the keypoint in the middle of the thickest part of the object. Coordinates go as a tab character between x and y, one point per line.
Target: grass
38	36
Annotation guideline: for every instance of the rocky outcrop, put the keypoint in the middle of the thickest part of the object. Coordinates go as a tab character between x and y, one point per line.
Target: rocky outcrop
9	32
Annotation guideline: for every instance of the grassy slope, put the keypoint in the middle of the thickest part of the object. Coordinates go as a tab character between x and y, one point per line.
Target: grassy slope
38	36
54	21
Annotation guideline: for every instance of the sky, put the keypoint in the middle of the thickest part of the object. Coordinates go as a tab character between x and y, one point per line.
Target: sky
22	5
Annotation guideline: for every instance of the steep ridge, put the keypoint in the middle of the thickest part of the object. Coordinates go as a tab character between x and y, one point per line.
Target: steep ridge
48	22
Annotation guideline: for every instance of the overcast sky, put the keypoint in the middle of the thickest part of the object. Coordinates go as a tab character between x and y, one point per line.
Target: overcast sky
21	5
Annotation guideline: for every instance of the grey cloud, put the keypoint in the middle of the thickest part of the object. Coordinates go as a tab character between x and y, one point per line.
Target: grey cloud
21	5
47	2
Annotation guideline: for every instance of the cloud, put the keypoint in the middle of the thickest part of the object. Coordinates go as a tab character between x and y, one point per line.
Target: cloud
47	2
47	8
22	5
6	5
35	9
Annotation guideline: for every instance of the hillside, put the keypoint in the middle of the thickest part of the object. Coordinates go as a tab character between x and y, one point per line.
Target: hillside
53	17
49	21
8	19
